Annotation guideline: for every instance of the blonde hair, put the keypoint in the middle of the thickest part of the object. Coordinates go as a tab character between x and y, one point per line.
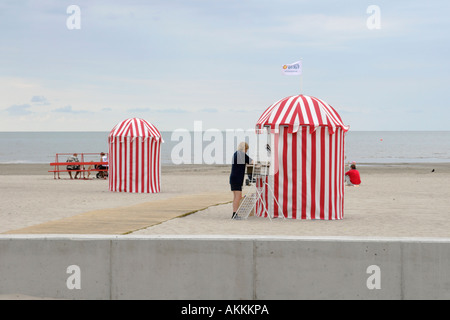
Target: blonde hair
243	146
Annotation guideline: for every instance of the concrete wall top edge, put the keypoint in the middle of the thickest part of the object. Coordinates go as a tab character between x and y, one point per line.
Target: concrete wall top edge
82	237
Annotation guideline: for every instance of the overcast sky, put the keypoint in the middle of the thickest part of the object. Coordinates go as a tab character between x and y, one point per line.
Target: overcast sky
173	62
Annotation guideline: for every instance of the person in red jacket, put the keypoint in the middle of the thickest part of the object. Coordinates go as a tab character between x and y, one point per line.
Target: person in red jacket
352	176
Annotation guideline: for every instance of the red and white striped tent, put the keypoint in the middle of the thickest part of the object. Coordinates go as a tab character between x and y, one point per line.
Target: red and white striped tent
134	157
307	157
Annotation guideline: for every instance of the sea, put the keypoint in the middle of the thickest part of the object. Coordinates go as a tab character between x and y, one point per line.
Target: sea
363	147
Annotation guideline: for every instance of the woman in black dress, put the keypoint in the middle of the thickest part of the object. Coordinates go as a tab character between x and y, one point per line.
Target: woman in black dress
240	159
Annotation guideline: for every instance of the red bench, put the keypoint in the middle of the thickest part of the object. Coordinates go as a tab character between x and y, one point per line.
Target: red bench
90	167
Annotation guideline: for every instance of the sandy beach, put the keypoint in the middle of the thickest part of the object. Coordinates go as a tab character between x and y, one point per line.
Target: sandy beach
394	200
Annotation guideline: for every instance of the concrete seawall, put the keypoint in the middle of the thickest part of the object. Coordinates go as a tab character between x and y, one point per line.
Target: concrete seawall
223	267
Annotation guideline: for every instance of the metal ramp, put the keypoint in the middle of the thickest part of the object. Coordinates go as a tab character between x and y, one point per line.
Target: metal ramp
247	204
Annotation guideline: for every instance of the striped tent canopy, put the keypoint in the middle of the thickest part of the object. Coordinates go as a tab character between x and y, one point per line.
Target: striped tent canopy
134	157
135	127
301	110
306	139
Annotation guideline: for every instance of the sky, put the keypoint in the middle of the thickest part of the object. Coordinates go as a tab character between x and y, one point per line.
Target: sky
383	65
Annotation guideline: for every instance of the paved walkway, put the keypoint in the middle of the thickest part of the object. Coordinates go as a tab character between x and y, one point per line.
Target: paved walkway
125	220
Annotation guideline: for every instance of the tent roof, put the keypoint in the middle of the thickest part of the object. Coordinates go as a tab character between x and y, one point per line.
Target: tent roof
301	110
135	127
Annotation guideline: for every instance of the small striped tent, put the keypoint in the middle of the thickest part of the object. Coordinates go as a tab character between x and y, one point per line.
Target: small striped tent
306	136
134	157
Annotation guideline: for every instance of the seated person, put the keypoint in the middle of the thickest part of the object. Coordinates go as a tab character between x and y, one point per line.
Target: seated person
352	177
104	158
73	158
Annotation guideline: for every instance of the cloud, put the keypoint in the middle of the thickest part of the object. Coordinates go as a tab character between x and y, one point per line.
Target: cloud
176	61
19	110
172	110
139	110
40	100
68	109
168	110
209	110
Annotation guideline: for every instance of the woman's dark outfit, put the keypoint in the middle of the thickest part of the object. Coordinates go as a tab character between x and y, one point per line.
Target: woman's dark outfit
240	159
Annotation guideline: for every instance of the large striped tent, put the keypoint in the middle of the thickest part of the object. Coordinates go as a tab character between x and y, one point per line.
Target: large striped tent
306	138
134	157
